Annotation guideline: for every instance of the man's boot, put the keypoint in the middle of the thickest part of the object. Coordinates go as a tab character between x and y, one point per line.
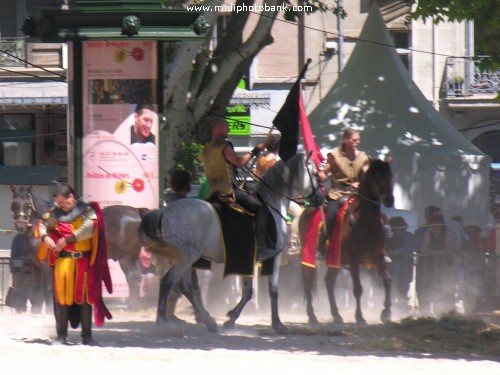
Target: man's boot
86	322
263	251
61	325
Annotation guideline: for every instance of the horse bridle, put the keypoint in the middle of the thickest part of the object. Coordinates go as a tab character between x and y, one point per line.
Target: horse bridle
311	197
377	203
22	217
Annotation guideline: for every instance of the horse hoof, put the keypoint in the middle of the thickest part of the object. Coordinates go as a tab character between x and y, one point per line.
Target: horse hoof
338	320
361	322
280	328
160	320
228	325
313	320
385	317
212	326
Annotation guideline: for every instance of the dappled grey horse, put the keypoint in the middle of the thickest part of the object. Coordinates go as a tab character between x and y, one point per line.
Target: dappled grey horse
189	229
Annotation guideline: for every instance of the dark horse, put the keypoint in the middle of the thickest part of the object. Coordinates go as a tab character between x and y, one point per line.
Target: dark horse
26	210
363	242
122	228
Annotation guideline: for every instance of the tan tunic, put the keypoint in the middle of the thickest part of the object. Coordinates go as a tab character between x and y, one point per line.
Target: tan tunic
345	172
218	170
264	162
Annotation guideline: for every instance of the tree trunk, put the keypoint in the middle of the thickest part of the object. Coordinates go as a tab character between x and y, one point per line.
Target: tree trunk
187	98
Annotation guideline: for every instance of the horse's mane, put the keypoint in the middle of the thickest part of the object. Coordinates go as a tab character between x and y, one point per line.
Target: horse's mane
40	205
378	168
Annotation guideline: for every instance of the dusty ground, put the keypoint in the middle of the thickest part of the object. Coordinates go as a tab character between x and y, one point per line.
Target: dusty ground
133	342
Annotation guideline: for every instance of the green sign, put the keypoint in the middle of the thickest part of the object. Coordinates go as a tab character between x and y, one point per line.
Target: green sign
238	118
239	125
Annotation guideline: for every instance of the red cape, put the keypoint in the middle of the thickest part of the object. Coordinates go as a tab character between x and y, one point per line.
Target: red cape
99	271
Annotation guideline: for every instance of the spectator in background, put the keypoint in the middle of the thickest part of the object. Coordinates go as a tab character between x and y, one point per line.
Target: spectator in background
269	157
439	275
473	274
204	191
456	226
180	185
400	248
494	234
421	284
429	214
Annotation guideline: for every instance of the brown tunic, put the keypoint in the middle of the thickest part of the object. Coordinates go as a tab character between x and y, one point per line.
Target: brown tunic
345	172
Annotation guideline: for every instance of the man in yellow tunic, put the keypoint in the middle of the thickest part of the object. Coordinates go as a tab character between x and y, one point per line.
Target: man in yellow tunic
219	161
70	233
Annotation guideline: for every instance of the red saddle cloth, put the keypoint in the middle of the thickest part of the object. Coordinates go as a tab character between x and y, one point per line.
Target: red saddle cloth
311	236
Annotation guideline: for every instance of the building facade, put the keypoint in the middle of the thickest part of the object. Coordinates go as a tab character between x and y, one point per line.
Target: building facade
33	104
438	57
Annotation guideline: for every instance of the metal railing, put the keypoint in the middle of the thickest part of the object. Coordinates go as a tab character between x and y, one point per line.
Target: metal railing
5	280
471	279
13	52
464	78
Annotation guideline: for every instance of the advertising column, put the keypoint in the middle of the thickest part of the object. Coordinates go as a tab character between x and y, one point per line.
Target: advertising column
120	129
120	123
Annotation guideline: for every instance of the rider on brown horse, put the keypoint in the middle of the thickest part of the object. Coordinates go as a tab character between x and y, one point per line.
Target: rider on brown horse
345	165
219	160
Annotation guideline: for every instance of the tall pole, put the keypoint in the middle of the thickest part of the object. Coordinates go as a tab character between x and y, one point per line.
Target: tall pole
340	28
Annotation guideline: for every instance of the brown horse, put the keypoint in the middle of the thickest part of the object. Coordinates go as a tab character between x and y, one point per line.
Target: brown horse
122	235
26	210
362	242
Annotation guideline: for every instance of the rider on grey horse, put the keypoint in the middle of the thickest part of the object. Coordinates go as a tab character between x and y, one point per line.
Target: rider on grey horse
219	160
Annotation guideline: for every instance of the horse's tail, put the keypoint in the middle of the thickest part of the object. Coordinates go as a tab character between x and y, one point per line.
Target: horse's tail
309	282
150	230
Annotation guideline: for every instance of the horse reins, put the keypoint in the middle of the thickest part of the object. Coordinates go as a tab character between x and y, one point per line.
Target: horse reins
377	203
311	197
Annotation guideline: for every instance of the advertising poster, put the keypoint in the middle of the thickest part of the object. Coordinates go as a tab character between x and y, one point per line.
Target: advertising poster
120	129
120	123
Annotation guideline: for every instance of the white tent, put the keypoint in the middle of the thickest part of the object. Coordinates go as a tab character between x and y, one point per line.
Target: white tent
433	163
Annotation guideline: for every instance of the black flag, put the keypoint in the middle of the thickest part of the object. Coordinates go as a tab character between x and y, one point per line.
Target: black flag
287	120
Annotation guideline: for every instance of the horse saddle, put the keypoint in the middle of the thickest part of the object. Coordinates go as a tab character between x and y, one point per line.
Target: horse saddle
240	250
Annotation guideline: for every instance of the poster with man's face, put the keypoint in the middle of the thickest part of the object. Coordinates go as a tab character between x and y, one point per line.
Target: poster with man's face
120	123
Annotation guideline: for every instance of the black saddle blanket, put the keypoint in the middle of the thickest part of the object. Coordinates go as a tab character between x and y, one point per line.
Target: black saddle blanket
237	228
